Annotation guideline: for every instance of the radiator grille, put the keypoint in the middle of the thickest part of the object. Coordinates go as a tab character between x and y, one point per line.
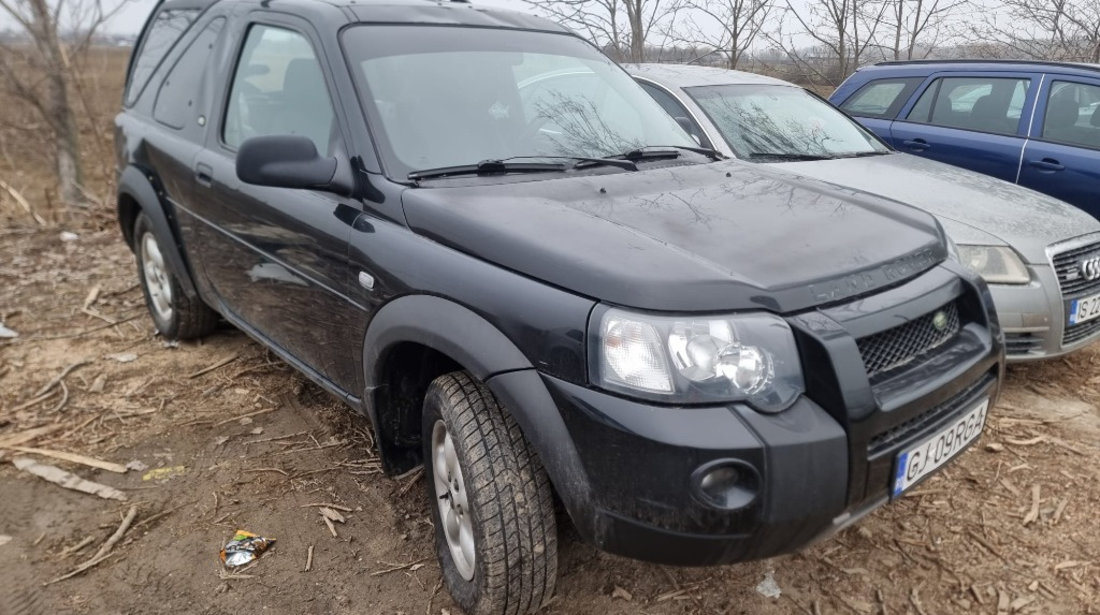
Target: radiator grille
888	350
1074	284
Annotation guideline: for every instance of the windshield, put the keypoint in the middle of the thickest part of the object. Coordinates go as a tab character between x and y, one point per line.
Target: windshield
440	96
774	121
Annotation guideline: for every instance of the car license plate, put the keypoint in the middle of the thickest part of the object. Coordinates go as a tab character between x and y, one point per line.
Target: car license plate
1084	309
924	458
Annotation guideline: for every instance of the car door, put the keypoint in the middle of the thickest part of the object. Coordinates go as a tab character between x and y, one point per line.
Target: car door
1062	155
977	121
877	102
277	258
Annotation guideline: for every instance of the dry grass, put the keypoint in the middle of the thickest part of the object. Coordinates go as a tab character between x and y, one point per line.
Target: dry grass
26	154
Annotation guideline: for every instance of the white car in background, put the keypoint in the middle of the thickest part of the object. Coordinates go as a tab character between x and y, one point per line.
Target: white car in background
1027	246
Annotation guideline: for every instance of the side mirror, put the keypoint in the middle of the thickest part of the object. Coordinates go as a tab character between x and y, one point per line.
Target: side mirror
291	161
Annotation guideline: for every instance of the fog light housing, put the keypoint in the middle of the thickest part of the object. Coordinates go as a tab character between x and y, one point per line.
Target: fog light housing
728	484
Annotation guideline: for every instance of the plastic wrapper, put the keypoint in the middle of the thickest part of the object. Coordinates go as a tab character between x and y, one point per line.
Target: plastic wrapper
244	548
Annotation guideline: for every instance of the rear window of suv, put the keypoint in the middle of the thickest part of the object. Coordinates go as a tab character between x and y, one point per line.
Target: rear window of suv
881	98
166	29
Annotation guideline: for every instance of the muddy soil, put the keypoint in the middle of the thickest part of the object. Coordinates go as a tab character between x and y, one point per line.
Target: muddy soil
238	440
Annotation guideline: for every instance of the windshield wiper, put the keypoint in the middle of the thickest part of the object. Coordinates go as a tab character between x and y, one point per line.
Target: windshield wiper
487	167
663	151
863	154
787	156
626	165
509	165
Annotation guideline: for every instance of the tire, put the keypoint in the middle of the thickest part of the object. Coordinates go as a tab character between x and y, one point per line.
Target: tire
509	503
175	315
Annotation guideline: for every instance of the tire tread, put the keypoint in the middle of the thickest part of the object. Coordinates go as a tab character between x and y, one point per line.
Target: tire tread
515	509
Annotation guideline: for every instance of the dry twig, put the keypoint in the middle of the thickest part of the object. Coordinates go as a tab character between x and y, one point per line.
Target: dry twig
412	567
208	369
1033	514
332	506
22	202
71	457
104	551
412	481
65	372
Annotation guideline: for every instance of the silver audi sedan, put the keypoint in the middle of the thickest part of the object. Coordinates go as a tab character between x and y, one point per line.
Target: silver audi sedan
1040	256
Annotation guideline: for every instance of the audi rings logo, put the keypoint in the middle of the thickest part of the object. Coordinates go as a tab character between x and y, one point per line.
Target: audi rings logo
1090	268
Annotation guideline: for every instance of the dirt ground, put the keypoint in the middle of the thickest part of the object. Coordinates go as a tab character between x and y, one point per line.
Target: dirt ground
244	442
237	440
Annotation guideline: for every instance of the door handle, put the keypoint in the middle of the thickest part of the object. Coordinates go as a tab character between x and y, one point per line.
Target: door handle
1047	165
204	174
917	145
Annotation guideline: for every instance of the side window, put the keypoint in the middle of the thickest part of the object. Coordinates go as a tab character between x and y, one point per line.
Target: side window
178	101
984	104
675	109
881	98
1073	114
166	29
278	89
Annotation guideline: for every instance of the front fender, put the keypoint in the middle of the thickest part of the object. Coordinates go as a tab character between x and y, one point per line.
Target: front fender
445	326
489	355
136	193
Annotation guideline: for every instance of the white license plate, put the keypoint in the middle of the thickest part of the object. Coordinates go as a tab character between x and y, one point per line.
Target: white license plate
927	456
1084	309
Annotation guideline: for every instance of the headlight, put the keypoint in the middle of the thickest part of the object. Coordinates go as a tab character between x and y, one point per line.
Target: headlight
996	264
699	359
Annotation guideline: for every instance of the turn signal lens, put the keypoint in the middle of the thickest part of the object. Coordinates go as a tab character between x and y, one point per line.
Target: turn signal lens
632	355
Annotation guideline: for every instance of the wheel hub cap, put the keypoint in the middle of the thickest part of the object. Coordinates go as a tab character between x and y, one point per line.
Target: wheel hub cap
454	506
157	281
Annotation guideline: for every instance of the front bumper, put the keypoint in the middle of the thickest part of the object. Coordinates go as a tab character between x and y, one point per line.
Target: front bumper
1033	318
624	469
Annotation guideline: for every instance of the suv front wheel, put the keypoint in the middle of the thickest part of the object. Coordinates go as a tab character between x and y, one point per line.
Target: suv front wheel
175	315
491	502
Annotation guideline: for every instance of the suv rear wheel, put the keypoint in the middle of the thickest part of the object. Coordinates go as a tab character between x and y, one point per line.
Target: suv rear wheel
175	315
491	502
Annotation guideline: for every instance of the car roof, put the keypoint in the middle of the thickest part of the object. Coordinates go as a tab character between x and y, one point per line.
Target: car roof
437	12
690	75
928	66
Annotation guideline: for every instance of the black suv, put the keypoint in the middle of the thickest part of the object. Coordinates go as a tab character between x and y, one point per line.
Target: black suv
480	232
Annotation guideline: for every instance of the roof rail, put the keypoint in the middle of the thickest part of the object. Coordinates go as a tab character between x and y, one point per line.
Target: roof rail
1076	65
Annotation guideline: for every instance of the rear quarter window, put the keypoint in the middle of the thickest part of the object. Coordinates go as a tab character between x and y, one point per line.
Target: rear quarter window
166	29
881	97
179	101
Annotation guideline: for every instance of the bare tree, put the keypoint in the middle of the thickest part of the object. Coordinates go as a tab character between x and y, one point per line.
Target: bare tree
1044	29
729	27
919	25
41	72
841	31
622	25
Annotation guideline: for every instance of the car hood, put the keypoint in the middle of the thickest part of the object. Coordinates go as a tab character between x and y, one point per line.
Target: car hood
996	211
701	237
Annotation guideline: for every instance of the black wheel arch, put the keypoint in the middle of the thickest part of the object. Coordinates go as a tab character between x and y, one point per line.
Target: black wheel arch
137	194
413	340
410	341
